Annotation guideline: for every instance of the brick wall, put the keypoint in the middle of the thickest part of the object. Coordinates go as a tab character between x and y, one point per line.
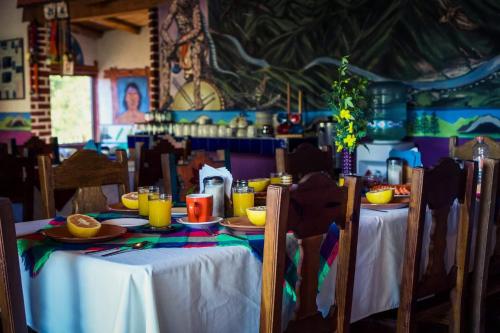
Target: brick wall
154	81
40	102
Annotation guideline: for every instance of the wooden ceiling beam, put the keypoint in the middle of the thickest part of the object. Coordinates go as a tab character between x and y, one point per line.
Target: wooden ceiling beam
115	23
86	31
78	10
81	10
23	3
103	16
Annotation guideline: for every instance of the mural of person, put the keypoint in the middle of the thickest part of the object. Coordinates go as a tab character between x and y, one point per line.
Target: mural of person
186	51
131	103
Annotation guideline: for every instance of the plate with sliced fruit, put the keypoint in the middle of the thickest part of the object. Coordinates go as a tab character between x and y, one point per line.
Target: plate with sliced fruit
400	190
83	229
383	199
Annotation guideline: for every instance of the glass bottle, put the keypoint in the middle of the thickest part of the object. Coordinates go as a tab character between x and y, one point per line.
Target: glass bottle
480	151
394	171
286	179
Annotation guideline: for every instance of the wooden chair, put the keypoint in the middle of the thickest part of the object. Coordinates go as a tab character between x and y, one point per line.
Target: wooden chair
437	189
494	269
304	159
13	318
86	171
34	147
149	168
4	149
15	184
188	171
484	246
308	210
464	152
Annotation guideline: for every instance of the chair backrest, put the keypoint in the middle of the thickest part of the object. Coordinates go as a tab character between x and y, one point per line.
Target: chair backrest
181	149
4	149
34	147
148	166
308	210
304	159
188	171
464	152
484	240
15	183
86	171
437	189
13	318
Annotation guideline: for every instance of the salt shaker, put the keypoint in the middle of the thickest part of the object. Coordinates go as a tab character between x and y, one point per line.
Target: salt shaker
394	171
215	186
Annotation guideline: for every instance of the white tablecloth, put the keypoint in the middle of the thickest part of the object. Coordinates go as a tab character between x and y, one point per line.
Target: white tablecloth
197	289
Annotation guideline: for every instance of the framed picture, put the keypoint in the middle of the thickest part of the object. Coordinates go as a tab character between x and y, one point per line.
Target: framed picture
130	94
11	69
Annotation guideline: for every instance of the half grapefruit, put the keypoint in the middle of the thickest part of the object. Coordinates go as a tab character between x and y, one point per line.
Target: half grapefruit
82	226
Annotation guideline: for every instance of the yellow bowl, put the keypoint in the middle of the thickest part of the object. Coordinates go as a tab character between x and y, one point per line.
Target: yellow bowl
380	197
257	215
259	184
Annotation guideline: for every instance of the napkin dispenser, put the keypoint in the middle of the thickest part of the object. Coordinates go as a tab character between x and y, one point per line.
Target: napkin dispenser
207	172
214	185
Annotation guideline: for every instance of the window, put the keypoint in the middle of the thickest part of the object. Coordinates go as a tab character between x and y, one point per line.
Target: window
71	108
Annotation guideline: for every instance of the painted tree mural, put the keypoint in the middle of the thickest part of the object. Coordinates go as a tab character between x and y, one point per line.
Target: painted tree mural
422	43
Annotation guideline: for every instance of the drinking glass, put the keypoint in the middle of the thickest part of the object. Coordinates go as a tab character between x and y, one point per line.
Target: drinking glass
341	180
243	198
276	178
160	210
144	198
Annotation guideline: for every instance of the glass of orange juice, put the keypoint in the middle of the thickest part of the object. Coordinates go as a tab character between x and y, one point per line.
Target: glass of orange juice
143	194
243	198
276	177
160	210
341	179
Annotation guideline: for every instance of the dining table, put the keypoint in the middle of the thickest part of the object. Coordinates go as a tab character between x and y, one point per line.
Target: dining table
199	288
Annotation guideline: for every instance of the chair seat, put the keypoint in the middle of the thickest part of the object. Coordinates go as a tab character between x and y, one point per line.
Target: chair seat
432	315
313	324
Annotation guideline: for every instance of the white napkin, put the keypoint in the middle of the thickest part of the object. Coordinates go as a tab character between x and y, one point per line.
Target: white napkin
208	171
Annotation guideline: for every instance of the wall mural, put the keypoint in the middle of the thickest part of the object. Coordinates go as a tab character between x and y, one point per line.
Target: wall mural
249	50
449	122
185	82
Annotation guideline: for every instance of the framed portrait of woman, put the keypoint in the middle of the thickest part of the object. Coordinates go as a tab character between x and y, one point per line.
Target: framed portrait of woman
130	94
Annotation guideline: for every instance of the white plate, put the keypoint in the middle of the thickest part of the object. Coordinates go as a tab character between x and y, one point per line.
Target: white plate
127	222
178	214
179	211
199	225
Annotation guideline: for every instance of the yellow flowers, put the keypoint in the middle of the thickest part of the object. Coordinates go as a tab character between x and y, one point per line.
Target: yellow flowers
345	114
348	102
350	140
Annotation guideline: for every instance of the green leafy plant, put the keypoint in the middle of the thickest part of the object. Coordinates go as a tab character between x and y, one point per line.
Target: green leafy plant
348	103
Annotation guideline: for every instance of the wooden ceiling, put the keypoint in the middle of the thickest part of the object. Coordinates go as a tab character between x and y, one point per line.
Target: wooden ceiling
131	22
94	17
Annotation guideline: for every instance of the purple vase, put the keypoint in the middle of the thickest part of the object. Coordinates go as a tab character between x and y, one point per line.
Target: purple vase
347	162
